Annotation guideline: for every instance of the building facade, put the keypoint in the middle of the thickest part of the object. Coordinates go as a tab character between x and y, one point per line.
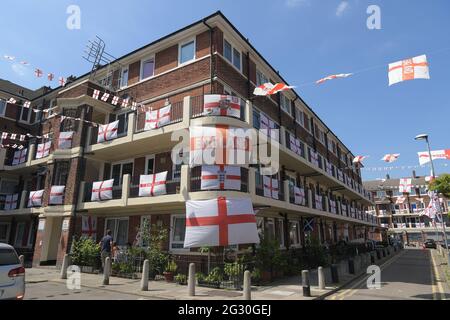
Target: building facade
208	57
404	213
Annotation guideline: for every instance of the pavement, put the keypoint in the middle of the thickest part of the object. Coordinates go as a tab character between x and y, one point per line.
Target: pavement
45	283
414	274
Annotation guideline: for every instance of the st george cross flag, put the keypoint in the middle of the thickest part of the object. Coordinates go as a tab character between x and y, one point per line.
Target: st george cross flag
20	156
220	222
221	178
105	97
115	100
95	94
314	157
102	190
65	140
405	186
270	187
400	200
432	209
50	76
57	195
125	103
334	76
89	227
318	198
26	104
43	149
409	69
295	144
424	157
359	159
268	89
299	196
107	132
218	145
268	127
153	184
11	201
391	157
38	73
35	198
62	81
12	100
157	118
222	105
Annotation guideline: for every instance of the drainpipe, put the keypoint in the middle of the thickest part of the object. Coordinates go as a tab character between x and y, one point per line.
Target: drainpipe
211	60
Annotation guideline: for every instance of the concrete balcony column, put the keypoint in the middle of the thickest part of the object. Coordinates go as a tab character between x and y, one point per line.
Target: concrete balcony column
286	190
327	204
23	200
88	136
310	204
81	193
186	111
252	181
125	188
249	113
283	136
2	158
185	181
131	125
31	152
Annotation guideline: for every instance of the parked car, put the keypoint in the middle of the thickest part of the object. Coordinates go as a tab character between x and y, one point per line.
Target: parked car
12	274
430	244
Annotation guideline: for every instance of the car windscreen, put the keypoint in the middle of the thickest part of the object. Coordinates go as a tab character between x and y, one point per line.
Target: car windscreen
8	257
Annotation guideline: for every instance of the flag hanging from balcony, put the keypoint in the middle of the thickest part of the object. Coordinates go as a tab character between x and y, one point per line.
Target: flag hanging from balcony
391	157
359	159
334	76
405	186
11	201
268	127
96	94
295	144
20	156
65	140
220	222
105	97
222	105
217	145
102	190
299	196
424	157
57	195
432	209
153	184
318	198
35	198
89	227
157	118
409	69
314	157
12	100
43	149
400	200
270	187
107	132
268	89
221	178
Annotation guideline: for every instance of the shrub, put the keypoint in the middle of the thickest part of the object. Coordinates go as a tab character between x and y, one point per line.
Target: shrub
85	252
181	278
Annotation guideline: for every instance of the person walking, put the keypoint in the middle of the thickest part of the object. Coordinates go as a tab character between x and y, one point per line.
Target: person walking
106	246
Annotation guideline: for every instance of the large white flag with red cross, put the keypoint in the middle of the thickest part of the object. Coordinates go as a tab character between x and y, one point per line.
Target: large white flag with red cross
391	157
424	156
20	156
65	140
107	132
268	89
221	177
222	105
217	145
89	227
409	69
11	201
405	185
268	127
153	184
35	198
102	190
270	187
334	76
43	149
299	196
57	195
157	118
220	222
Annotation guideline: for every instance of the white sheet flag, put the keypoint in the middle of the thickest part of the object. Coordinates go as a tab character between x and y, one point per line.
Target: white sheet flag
409	69
221	178
102	190
108	131
222	105
405	185
424	157
153	184
157	118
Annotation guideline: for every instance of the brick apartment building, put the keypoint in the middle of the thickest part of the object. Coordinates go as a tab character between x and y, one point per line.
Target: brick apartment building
403	213
207	57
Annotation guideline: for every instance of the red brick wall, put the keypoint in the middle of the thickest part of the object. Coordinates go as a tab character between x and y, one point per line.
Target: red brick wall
202	44
133	72
166	59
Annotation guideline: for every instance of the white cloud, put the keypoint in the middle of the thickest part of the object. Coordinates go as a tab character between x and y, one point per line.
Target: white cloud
297	3
19	69
341	8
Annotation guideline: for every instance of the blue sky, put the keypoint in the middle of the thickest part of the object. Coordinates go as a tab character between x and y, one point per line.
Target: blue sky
303	39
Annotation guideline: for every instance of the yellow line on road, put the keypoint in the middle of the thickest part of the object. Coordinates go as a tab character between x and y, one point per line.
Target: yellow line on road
436	280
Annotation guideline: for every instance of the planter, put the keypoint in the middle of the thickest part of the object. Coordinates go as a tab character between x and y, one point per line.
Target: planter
168	276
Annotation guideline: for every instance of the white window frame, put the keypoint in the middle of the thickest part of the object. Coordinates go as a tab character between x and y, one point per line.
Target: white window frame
2	114
172	230
141	71
29	115
233	47
122	162
8	231
179	51
148	157
116	227
121	85
299	244
299	116
285	98
263	74
17	233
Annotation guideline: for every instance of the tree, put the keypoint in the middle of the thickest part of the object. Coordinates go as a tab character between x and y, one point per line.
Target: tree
441	185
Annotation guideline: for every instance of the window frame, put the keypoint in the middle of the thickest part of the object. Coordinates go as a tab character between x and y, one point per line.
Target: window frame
298	235
141	71
116	228
21	115
172	230
121	163
299	116
2	113
233	49
147	158
127	69
261	74
17	233
183	43
286	99
8	231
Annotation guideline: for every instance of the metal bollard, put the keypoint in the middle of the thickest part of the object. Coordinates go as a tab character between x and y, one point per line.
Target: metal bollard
191	280
144	279
321	278
247	285
22	260
305	283
334	273
351	266
106	271
65	265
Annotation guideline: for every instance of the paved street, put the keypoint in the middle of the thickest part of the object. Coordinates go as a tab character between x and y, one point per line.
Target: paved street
413	274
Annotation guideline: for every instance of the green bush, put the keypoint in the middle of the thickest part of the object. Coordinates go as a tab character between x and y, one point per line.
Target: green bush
215	275
181	278
85	252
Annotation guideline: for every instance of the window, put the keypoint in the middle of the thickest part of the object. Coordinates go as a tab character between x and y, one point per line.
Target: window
61	173
107	80
20	231
8	186
269	231
25	114
280	232
150	164
294	233
320	136
31	234
178	230
232	54
381	194
119	230
256	119
123	122
285	104
187	51
299	117
69	124
147	68
2	107
118	170
260	78
4	231
124	77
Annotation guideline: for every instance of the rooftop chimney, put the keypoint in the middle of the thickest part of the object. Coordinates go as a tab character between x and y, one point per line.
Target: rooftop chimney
414	174
388	176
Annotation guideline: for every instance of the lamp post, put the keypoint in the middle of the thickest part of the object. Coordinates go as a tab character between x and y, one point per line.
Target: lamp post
425	137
